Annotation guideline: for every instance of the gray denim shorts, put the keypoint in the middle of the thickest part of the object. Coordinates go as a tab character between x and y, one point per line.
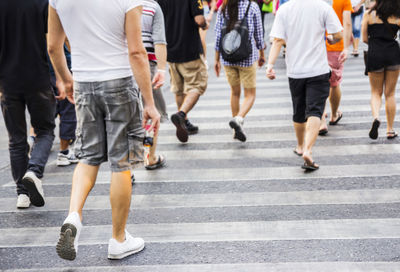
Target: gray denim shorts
109	123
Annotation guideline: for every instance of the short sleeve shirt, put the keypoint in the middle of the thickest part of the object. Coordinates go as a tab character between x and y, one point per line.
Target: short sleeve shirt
23	59
302	24
96	32
182	32
339	7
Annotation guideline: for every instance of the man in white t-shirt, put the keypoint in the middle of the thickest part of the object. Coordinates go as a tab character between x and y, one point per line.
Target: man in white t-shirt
106	46
301	25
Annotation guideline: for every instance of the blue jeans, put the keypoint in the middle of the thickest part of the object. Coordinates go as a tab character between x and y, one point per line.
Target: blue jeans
41	107
356	22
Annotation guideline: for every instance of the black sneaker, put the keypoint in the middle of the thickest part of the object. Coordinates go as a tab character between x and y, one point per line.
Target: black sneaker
181	132
237	127
192	129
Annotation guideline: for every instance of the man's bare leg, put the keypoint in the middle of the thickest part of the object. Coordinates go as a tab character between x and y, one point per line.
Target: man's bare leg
64	144
235	100
152	154
83	181
300	129
248	101
312	128
179	98
120	198
189	102
334	99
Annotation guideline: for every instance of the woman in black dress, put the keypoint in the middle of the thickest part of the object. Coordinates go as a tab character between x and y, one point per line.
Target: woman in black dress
380	28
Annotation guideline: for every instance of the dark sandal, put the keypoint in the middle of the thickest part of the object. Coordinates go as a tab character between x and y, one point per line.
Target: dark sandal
297	153
310	167
323	132
392	135
373	133
160	163
334	123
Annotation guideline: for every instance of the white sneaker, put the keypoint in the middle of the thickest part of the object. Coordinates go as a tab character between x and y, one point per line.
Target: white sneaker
64	160
23	201
117	250
67	246
34	186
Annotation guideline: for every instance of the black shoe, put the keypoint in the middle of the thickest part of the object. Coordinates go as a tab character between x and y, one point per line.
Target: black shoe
373	133
191	129
181	132
237	127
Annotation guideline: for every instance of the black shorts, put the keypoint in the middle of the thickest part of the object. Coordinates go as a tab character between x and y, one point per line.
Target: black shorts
309	96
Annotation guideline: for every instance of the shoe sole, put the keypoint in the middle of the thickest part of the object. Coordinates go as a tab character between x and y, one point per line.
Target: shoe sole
125	254
63	163
181	132
373	133
34	196
238	131
65	246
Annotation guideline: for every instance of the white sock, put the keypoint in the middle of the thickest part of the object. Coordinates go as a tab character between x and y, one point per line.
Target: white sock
239	119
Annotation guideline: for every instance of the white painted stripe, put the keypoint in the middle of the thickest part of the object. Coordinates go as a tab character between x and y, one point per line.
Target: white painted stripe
275	100
169	201
167	126
217	232
227	137
269	153
240	267
239	174
226	112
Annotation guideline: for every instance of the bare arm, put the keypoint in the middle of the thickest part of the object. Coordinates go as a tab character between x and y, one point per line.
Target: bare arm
140	64
161	55
201	22
364	28
273	55
347	33
55	44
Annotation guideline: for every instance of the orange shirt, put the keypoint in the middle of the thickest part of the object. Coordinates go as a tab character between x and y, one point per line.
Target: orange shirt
339	6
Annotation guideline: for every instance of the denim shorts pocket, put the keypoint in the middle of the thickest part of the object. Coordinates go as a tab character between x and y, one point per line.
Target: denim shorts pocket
136	151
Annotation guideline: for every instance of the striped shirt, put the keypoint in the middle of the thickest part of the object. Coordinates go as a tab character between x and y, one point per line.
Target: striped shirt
255	32
153	29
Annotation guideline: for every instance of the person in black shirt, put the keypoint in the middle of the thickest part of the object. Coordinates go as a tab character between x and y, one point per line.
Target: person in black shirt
25	82
187	67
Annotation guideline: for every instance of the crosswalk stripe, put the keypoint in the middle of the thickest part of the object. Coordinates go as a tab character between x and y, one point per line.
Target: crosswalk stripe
219	232
169	201
239	267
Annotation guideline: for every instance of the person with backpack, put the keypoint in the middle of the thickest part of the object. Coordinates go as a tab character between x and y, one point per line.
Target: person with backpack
239	40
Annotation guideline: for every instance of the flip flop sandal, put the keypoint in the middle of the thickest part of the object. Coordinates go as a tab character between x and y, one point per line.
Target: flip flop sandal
392	135
355	53
160	163
334	123
373	133
323	132
310	167
297	153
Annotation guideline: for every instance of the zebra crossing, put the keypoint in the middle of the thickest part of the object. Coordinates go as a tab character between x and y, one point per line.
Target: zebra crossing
221	205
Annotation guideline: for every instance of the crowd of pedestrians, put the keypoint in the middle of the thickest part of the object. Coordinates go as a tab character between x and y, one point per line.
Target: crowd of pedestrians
108	98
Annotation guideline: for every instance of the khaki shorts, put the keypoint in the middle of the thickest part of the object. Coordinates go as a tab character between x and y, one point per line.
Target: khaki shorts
188	77
237	75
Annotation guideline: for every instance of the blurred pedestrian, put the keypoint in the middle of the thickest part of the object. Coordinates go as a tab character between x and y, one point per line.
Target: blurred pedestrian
241	72
187	67
356	18
109	117
380	28
153	35
337	55
302	24
25	83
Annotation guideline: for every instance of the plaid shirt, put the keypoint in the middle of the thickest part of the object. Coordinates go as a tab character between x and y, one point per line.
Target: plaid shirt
255	32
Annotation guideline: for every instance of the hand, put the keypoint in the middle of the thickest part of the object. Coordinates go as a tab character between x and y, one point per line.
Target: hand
217	67
207	25
151	113
343	56
65	90
159	79
271	72
61	90
261	61
330	39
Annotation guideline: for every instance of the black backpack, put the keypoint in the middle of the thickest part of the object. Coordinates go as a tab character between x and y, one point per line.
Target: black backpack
235	45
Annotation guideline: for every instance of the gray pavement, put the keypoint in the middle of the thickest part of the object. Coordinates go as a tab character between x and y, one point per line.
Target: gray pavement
222	205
